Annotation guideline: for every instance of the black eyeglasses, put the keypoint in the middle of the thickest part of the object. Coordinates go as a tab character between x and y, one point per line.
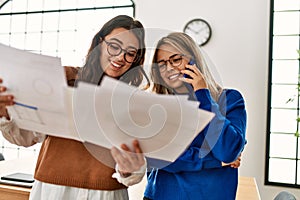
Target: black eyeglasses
175	60
114	49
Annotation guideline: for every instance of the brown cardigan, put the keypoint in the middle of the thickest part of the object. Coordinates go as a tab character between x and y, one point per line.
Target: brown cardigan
70	163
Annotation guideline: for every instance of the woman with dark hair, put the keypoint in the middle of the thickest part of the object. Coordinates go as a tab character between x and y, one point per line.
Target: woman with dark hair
65	168
92	71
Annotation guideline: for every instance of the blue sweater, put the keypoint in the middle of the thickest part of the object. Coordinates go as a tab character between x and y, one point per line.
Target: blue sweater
198	173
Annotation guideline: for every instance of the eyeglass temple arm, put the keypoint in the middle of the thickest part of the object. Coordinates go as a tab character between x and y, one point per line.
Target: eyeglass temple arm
144	73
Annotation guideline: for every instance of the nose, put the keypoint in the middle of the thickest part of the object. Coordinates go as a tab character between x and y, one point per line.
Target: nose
121	56
169	66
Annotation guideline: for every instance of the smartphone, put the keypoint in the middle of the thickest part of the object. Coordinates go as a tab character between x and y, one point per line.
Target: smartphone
192	62
189	86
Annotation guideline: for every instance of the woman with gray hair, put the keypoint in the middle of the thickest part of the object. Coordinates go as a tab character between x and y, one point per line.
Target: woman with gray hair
208	168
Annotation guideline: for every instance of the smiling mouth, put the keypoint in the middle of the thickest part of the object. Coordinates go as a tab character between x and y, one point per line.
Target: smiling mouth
174	76
115	65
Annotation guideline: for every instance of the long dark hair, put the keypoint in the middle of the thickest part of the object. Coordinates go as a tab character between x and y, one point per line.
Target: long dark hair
92	72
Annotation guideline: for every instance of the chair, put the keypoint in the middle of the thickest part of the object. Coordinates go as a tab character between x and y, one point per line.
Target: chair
284	195
1	157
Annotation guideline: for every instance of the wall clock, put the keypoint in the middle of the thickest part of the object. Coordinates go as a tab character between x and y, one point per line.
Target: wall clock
199	30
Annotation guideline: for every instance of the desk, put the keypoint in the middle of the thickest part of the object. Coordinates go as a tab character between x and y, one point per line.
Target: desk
9	192
247	189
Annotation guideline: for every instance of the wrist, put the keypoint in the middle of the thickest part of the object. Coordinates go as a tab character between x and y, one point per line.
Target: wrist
225	164
4	113
124	174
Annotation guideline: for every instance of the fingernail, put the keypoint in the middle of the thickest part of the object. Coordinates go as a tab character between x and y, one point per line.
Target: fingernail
10	97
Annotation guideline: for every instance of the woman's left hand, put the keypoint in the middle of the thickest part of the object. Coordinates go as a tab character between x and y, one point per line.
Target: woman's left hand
234	164
128	160
196	77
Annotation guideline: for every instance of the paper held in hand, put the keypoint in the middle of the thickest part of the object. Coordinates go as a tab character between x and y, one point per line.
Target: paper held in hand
106	115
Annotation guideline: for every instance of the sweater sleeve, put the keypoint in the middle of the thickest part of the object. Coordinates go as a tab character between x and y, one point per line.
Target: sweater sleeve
224	137
12	133
133	179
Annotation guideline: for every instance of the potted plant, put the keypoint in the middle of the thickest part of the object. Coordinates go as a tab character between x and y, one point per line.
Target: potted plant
297	134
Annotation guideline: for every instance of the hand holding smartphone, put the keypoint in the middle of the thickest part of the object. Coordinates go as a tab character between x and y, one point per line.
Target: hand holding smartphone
189	86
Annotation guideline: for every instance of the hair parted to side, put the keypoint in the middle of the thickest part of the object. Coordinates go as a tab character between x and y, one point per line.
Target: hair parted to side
92	72
187	46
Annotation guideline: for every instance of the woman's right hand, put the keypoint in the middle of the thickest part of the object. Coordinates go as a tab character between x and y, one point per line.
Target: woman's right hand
5	100
9	129
196	79
128	160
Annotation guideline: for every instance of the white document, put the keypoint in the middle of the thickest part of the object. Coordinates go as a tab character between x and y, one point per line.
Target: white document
36	80
38	84
106	115
117	113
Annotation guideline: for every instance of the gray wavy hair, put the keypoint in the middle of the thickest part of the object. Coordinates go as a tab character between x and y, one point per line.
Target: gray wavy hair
187	46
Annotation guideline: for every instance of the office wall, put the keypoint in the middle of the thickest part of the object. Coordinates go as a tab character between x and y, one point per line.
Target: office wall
239	49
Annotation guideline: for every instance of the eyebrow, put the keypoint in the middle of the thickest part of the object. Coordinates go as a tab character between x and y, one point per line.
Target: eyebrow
121	43
160	61
169	57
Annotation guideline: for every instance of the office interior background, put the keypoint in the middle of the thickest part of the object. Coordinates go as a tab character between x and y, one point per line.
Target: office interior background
244	46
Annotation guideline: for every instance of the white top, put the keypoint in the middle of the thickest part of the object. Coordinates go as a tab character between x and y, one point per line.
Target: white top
41	190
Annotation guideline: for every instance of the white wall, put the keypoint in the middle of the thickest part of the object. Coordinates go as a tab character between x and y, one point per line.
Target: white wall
239	48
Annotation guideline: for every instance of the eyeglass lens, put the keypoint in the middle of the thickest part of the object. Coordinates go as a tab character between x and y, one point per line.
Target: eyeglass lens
175	61
114	49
